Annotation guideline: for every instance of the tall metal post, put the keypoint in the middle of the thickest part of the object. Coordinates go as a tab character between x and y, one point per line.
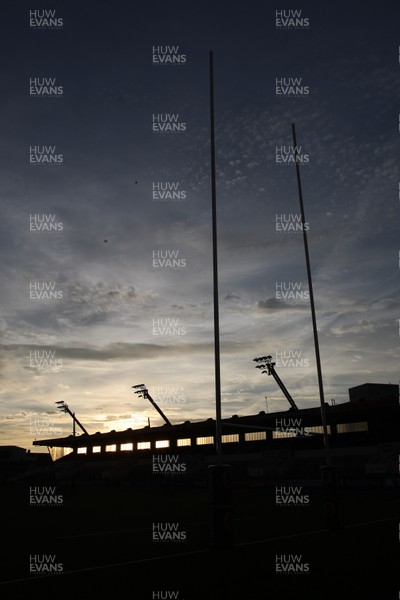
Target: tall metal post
311	292
220	478
329	474
217	361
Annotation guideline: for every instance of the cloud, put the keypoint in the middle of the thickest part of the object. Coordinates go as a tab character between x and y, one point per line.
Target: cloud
385	304
363	326
117	417
274	304
232	296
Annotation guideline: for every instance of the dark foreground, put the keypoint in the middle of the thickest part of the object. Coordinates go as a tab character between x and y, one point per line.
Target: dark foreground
102	538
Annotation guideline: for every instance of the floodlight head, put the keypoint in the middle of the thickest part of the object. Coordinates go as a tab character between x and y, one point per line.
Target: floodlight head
59	402
139	385
141	391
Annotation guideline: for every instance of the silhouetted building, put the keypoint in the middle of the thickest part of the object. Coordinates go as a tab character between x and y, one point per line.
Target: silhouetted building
360	432
12	453
374	391
15	461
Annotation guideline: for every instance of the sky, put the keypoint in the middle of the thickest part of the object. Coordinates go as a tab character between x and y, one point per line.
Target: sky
130	275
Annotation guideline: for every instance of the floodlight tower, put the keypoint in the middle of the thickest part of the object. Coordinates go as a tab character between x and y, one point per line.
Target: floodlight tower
143	392
268	367
64	408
